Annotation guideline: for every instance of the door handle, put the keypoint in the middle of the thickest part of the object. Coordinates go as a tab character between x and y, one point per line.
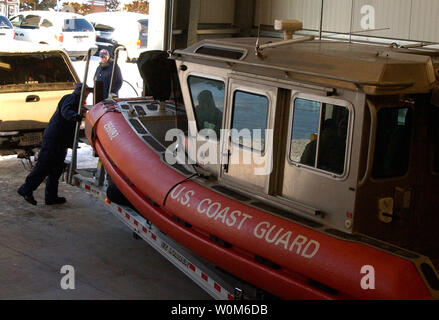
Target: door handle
32	98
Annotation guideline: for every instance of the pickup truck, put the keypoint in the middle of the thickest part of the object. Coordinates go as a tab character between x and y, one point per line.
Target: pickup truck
33	78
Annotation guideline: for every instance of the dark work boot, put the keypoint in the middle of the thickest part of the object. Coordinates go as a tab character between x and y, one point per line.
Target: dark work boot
57	200
28	197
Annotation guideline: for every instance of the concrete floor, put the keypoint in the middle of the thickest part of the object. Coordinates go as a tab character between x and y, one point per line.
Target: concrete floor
36	241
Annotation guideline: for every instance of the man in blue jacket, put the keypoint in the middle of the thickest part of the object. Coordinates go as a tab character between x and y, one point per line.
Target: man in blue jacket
57	137
103	73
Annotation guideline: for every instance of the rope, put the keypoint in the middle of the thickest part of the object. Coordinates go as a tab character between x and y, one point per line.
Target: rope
175	185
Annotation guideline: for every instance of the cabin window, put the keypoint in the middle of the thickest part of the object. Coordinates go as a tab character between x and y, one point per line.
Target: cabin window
392	146
249	120
319	134
208	101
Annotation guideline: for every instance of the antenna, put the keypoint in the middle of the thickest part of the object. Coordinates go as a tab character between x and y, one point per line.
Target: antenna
352	21
257	40
321	21
259	30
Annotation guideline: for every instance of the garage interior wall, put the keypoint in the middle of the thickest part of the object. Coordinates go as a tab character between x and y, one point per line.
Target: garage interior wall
413	20
403	19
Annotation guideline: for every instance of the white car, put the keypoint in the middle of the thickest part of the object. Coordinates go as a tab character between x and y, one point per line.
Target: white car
66	30
127	29
6	29
33	79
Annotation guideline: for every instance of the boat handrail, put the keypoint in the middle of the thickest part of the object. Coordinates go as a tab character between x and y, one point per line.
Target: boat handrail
380	40
72	166
282	43
378	84
372	137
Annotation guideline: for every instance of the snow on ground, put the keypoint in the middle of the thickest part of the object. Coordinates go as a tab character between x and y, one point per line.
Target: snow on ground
84	154
7	157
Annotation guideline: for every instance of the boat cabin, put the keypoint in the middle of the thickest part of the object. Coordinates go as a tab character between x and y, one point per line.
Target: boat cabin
341	134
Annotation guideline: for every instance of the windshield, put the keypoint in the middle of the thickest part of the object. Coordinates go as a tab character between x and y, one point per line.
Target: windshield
4	23
77	24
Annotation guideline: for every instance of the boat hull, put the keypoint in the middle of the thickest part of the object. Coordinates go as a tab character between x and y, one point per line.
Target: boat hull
288	259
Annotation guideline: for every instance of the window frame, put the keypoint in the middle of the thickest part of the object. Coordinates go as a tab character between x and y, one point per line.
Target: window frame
349	134
204	76
232	111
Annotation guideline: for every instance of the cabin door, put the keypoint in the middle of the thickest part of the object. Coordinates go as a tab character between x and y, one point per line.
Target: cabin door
316	173
247	138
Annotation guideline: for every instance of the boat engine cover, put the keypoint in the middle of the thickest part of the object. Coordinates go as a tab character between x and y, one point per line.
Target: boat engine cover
156	71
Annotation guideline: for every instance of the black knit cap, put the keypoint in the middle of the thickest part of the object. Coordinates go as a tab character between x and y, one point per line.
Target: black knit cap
78	88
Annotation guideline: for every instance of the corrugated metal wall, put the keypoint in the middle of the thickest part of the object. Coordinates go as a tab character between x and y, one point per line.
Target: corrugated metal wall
424	20
401	19
405	19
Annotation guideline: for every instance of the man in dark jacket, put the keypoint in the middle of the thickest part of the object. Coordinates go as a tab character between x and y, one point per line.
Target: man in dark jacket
103	73
57	137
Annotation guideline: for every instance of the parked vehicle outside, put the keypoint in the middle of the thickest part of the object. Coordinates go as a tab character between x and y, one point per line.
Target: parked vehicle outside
6	29
33	78
128	29
66	30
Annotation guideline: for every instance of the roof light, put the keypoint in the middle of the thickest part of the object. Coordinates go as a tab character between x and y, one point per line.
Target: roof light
288	27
